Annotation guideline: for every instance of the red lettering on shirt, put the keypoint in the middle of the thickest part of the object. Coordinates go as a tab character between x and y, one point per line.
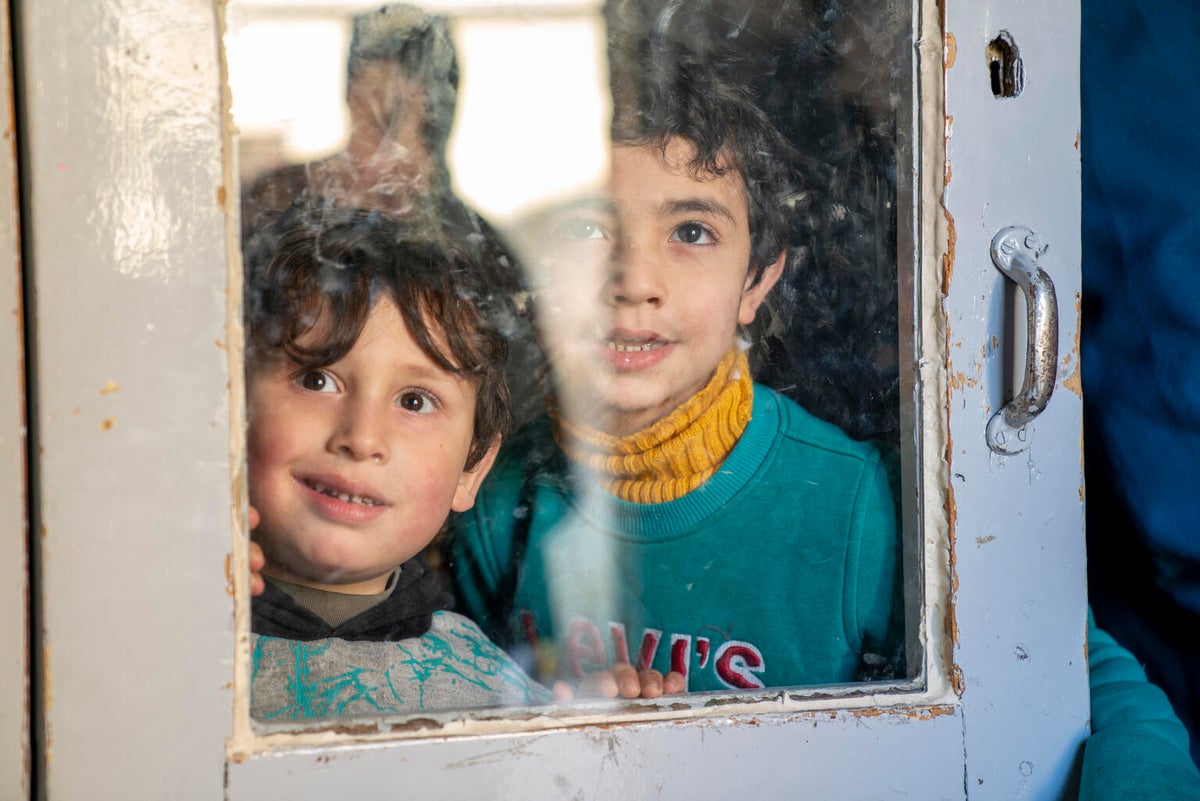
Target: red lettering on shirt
650	639
620	646
681	655
583	648
737	663
528	628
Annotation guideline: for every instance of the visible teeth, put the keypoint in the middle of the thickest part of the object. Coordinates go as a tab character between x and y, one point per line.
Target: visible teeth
622	348
344	497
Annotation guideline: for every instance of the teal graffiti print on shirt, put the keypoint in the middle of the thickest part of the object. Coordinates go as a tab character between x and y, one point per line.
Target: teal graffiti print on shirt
314	690
453	666
459	653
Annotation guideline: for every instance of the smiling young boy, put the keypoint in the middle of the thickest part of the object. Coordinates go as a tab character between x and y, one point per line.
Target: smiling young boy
670	513
376	404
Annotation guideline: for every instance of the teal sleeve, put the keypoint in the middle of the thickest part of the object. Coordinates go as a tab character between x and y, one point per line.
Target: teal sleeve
873	566
1138	748
474	566
479	545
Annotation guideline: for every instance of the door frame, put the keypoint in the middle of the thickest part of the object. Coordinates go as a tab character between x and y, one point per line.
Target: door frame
139	419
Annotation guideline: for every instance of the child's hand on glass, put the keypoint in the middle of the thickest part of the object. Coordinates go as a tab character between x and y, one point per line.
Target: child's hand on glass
257	560
622	680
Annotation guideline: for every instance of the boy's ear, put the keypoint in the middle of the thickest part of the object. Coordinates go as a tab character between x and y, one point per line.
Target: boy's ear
469	481
753	294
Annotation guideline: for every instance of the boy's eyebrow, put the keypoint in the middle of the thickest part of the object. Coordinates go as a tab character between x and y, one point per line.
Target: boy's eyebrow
421	371
696	205
670	207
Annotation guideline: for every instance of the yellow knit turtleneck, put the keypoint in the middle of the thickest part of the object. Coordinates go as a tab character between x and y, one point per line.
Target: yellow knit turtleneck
680	452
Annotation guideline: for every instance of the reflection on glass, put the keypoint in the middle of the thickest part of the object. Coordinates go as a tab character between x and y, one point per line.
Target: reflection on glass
700	311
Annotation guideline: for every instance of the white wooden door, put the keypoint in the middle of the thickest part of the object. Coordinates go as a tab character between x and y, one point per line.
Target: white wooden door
132	259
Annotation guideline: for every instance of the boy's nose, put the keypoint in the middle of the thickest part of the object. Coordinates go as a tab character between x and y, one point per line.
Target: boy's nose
636	276
359	434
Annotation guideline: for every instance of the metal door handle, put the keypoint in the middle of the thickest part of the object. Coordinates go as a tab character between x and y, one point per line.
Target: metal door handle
1015	252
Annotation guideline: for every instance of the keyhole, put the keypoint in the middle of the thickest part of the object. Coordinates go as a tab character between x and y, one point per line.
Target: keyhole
1004	65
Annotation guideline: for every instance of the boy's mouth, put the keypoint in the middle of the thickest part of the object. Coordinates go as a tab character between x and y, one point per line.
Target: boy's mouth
344	497
633	341
633	351
632	347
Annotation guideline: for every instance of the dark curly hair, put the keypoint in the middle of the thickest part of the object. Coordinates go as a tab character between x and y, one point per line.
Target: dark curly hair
664	89
328	266
811	97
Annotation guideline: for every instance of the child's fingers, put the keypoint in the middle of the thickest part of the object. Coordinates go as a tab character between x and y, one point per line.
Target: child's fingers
257	561
253	518
618	680
674	683
623	680
627	681
651	683
601	684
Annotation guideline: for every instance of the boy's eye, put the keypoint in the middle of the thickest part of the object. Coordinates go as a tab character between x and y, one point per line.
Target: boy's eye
417	402
579	228
317	381
691	233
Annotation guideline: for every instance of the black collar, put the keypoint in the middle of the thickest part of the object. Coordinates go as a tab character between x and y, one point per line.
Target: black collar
407	612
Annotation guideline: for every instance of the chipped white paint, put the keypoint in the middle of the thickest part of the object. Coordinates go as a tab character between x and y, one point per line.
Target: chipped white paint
830	757
1021	597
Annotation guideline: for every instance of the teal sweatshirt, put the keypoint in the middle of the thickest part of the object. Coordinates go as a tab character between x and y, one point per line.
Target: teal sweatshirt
1138	748
780	570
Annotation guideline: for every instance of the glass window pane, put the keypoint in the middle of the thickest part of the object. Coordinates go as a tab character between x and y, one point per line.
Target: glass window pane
689	224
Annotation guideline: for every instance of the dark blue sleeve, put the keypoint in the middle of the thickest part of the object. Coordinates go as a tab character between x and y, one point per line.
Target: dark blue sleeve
1141	269
1140	338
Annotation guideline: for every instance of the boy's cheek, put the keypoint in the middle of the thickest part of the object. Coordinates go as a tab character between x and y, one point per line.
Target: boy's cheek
259	498
258	457
273	430
262	473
